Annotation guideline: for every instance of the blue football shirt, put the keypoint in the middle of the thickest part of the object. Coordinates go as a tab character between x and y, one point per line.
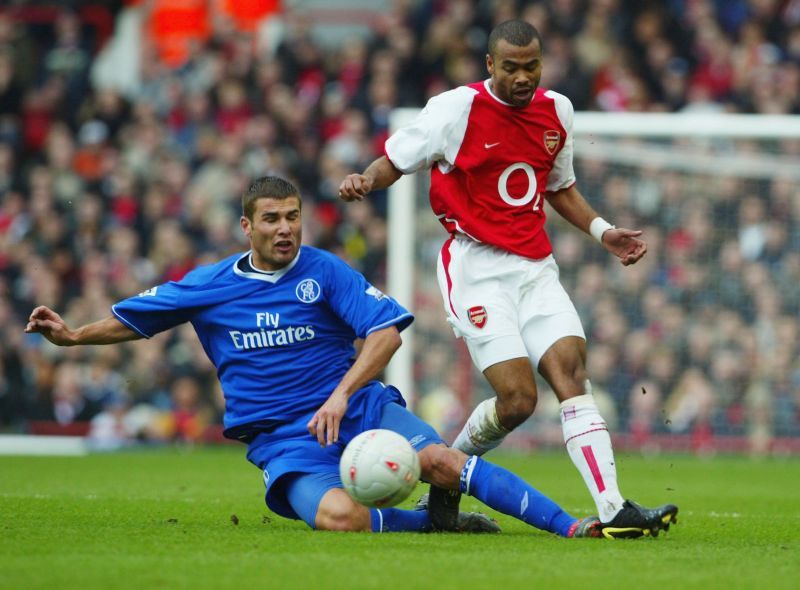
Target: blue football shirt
280	341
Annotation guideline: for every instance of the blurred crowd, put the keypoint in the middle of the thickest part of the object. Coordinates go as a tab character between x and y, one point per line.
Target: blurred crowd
105	193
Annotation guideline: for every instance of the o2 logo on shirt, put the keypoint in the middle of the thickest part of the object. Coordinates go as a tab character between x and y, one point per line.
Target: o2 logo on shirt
502	186
308	291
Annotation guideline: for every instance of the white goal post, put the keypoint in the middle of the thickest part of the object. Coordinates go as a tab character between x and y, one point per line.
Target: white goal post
601	135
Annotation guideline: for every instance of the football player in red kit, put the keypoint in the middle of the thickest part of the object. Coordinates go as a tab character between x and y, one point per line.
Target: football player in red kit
496	150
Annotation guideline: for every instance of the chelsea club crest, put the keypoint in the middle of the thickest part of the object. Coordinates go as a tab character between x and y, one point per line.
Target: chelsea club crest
308	291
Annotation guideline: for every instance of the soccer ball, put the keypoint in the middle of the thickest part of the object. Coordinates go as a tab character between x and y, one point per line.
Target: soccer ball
379	468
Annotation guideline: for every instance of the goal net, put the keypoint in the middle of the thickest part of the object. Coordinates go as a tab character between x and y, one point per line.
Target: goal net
696	346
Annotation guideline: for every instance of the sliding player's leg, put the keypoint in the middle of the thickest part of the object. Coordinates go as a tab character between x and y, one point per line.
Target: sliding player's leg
320	501
302	482
501	490
498	488
422	436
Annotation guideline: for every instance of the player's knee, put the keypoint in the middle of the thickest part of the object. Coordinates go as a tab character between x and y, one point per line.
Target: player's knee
515	407
577	377
340	520
441	466
564	367
341	513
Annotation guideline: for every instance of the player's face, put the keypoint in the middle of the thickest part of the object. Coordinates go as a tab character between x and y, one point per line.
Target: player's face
515	71
274	232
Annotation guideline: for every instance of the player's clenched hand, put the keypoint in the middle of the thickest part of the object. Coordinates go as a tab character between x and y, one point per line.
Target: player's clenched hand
49	324
354	187
625	244
325	423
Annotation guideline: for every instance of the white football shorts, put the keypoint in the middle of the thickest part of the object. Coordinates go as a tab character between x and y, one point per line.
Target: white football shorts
504	306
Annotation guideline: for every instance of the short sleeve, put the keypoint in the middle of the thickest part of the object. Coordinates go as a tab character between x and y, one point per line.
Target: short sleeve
563	175
435	134
360	305
155	310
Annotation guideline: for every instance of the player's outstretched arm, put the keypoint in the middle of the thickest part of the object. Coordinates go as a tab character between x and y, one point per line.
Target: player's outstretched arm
624	243
378	349
49	324
380	174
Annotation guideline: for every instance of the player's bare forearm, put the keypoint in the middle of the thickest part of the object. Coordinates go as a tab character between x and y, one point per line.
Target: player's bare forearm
377	351
375	354
49	324
383	173
106	331
624	243
570	204
378	175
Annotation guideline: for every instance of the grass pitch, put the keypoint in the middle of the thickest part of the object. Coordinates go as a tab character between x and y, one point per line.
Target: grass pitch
196	519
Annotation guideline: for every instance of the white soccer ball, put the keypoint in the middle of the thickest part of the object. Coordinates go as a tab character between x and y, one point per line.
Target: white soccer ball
379	468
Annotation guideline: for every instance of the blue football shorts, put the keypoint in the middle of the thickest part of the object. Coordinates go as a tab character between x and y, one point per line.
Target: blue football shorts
298	472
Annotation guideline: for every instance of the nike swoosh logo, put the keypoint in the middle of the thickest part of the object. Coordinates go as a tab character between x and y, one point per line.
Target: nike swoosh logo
490	145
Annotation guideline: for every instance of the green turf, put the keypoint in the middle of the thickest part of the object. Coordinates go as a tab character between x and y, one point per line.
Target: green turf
164	519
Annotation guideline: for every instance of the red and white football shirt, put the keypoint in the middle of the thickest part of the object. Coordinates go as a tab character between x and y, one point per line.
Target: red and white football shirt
491	163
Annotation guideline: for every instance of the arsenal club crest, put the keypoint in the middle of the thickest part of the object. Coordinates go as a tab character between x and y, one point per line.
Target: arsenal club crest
551	140
477	315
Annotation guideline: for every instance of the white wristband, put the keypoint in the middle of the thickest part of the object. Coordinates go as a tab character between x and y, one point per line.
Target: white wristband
598	227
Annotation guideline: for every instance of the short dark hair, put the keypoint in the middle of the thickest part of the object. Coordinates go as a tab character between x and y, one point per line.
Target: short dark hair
517	32
267	187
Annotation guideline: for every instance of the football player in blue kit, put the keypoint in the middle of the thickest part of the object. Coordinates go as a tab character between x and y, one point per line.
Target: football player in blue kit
279	324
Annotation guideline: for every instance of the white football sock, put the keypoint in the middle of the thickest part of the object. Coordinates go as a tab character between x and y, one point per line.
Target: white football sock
482	432
589	447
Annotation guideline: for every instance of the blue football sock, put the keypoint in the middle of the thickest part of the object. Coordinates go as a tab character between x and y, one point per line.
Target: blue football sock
393	520
500	489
